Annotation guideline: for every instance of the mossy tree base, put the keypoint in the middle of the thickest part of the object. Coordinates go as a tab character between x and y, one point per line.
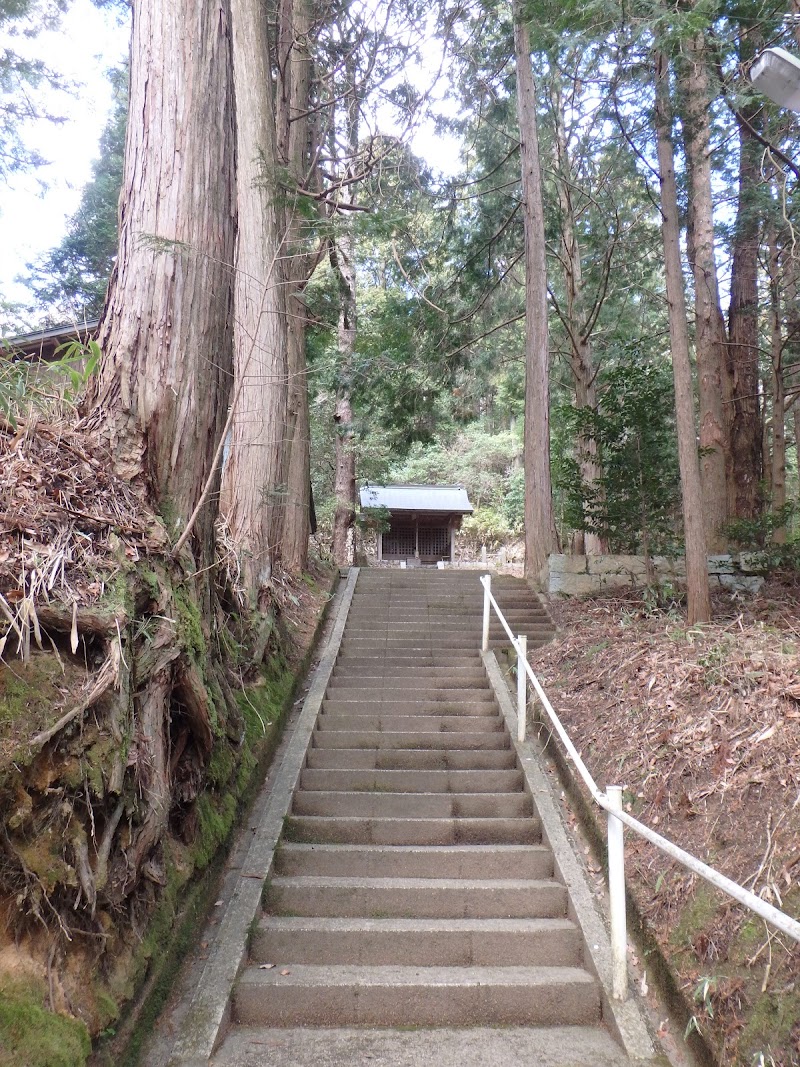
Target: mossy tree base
122	802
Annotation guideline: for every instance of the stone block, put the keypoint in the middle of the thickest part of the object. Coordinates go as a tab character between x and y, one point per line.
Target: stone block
574	584
563	564
616	565
721	564
670	566
742	583
752	562
618	579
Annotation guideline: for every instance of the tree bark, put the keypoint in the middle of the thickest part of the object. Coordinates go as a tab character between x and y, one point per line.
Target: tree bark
540	537
584	373
711	340
345	475
777	468
699	600
744	414
254	480
166	331
295	68
342	258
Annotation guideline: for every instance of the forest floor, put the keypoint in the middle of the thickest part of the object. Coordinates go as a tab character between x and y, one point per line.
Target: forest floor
701	726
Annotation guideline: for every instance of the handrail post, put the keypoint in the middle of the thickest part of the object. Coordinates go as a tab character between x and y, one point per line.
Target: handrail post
616	896
522	686
486	582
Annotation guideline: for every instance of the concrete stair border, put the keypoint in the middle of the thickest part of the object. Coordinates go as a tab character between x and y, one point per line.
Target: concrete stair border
209	1012
625	1019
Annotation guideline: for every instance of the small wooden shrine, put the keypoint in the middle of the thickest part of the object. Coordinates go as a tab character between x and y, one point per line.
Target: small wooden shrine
422	520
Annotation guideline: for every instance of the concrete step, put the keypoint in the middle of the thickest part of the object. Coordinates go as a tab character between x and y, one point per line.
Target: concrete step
379	805
371	831
421	725
422	643
410	759
417	942
410	611
429	638
408	694
413	996
413	781
402	632
454	861
420	898
387	668
359	737
472	1046
428	686
374	705
432	658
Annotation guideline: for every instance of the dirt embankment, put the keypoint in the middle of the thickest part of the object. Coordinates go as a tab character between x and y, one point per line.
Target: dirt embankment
138	698
701	726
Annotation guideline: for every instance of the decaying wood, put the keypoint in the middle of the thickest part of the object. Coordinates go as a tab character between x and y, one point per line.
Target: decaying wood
106	678
89	619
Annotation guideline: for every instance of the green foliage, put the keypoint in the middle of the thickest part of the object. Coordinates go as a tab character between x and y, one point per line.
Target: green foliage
634	504
32	1035
483	463
757	535
26	384
486	526
374	519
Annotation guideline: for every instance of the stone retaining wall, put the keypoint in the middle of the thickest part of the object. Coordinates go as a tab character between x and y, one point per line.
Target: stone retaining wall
580	575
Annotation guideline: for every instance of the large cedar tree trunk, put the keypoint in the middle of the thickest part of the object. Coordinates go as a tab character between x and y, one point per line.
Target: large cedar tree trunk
163	388
711	339
254	489
166	330
540	538
699	607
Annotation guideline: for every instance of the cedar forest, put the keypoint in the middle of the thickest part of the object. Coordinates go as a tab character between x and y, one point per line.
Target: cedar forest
592	324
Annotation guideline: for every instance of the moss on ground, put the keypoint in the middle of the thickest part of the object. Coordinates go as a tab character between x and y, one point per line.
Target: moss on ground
32	698
32	1036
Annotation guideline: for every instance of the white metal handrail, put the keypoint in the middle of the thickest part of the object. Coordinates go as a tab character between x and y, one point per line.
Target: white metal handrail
611	802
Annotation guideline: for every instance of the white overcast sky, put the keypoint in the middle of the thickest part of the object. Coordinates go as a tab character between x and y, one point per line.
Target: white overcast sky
88	43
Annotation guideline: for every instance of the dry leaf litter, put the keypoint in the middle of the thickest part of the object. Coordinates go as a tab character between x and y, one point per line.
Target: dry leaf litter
701	726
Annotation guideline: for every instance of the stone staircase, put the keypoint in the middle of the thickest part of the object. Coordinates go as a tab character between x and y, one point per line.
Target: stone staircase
412	887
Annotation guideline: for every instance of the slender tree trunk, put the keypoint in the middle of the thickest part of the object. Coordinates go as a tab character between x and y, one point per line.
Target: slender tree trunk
254	490
581	361
345	475
295	66
711	347
342	257
699	600
744	415
777	468
540	537
166	330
